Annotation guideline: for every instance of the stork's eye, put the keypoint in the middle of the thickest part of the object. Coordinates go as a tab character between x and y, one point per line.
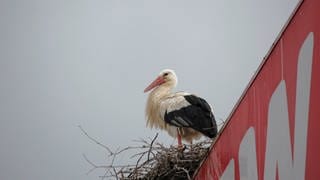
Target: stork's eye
165	74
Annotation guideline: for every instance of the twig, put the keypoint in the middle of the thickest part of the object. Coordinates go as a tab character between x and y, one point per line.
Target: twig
94	140
151	145
115	172
186	171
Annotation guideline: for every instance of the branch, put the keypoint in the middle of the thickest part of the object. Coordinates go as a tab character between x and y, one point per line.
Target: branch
96	141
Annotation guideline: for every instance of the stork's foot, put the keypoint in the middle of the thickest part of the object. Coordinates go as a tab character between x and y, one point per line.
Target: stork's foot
180	150
181	147
191	146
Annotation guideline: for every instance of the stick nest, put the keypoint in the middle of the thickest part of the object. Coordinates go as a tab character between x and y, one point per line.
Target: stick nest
153	160
172	163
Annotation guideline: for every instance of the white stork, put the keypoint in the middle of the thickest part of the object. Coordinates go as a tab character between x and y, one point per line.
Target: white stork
183	115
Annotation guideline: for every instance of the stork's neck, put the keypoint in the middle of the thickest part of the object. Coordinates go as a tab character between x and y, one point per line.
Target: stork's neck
160	92
153	105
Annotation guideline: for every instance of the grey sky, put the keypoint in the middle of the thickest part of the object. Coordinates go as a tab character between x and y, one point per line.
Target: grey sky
69	63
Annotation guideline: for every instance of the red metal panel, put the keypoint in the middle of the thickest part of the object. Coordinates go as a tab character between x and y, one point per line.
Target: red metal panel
285	91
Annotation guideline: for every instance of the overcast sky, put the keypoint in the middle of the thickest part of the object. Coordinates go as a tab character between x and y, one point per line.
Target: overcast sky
87	62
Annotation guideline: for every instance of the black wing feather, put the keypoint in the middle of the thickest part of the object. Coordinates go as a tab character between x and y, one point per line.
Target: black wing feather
197	115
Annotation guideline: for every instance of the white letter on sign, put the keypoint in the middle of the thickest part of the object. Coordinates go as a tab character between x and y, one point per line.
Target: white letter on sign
278	152
247	156
228	173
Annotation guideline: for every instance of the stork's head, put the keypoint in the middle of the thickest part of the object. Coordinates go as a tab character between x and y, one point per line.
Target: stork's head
167	77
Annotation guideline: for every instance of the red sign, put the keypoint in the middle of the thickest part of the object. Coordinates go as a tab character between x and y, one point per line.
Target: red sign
274	130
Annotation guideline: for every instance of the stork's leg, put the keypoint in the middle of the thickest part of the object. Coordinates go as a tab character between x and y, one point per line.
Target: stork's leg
179	139
181	147
191	144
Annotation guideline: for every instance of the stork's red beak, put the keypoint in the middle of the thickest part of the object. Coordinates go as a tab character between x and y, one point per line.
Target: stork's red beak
155	83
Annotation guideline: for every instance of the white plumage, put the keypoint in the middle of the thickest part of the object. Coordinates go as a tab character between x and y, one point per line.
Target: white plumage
181	114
